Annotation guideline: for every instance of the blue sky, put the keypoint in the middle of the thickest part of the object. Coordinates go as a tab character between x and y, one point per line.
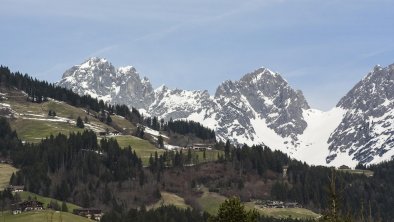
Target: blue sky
322	47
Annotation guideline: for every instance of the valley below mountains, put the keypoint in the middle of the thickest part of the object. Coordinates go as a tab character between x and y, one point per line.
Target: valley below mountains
261	108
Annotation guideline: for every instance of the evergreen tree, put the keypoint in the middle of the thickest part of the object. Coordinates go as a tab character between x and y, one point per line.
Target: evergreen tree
80	123
227	150
109	119
160	141
232	210
64	207
333	214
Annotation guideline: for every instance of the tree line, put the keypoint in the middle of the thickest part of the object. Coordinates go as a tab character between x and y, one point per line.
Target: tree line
39	91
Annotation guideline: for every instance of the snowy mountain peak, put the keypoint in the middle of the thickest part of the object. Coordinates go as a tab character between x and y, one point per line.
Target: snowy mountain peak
261	107
261	97
261	74
99	78
127	70
366	131
97	60
161	88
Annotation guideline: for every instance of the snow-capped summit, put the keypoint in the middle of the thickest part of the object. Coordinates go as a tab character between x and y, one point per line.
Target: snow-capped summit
99	78
261	108
261	96
127	70
367	130
178	104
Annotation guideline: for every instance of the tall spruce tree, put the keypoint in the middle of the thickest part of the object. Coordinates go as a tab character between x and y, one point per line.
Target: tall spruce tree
80	123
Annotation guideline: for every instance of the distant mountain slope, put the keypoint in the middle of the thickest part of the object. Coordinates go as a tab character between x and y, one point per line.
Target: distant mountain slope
367	130
261	107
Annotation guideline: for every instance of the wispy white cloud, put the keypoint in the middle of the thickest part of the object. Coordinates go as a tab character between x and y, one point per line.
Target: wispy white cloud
103	51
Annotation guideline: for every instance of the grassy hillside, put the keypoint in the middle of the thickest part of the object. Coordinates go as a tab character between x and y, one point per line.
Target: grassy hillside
6	171
143	148
34	130
25	195
210	155
170	199
301	213
210	202
42	216
123	124
32	123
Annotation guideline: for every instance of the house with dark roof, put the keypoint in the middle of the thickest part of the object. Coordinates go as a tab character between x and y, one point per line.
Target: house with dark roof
91	213
29	205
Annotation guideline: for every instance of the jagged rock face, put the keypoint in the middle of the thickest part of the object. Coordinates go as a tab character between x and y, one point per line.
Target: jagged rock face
179	104
99	78
261	107
261	94
367	130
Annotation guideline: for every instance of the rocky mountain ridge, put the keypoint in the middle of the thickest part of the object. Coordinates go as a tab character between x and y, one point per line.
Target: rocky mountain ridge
261	107
99	78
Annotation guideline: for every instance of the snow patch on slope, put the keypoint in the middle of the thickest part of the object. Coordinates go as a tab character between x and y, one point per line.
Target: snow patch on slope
314	140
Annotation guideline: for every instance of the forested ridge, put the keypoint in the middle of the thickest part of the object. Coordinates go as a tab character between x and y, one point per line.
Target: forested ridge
39	91
80	169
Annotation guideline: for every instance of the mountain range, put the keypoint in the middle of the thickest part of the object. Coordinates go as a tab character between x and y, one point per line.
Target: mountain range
261	108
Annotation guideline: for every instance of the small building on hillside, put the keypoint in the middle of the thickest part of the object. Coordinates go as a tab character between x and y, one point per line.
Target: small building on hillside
6	160
344	167
15	189
91	213
284	171
102	133
202	146
29	205
16	209
115	133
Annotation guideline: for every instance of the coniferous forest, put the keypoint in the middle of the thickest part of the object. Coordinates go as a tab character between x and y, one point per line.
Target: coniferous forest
80	169
39	91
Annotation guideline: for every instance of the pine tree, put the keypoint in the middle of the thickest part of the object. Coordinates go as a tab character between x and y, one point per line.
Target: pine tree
227	150
160	141
109	119
232	210
80	123
333	214
64	207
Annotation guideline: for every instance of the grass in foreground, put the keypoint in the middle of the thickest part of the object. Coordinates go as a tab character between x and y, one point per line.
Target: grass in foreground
6	171
42	216
46	200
